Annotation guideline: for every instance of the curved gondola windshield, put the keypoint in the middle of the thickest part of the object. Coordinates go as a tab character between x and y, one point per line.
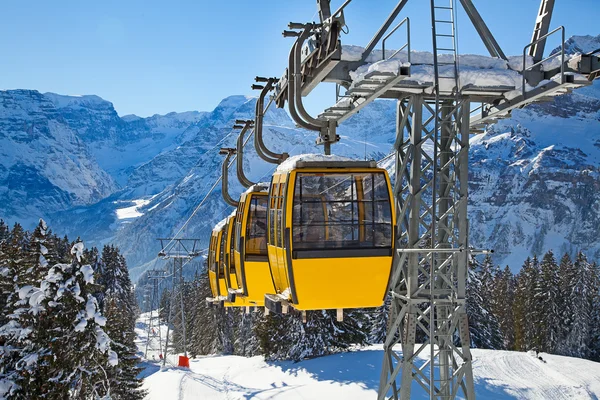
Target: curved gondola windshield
341	210
256	228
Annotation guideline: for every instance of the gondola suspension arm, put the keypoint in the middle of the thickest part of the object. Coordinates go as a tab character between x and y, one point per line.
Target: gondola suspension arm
261	149
244	126
228	152
326	129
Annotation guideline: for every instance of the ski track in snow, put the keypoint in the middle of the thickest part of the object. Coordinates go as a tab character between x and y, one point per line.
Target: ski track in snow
355	375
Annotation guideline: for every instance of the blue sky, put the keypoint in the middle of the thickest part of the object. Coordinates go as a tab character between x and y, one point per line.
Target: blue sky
152	57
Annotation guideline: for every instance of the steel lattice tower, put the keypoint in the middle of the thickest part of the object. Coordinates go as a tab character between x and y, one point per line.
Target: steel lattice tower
429	277
153	330
180	251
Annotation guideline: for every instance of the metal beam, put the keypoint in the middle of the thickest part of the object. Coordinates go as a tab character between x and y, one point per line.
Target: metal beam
541	28
428	281
484	32
383	29
240	156
260	146
324	7
225	177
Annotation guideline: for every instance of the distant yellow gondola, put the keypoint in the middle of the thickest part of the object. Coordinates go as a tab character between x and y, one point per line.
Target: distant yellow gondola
216	276
233	294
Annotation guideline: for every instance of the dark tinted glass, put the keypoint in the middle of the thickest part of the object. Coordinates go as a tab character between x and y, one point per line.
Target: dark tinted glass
256	228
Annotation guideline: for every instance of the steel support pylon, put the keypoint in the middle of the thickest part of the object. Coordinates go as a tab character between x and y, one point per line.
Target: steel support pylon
428	281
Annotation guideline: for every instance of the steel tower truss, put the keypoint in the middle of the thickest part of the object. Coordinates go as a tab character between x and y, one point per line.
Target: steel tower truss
180	251
429	277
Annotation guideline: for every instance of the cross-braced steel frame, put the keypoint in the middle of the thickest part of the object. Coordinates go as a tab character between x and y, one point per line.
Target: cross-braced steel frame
428	282
177	250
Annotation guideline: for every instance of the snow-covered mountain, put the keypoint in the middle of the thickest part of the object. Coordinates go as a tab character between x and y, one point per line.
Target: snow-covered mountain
190	170
534	185
45	165
535	180
119	145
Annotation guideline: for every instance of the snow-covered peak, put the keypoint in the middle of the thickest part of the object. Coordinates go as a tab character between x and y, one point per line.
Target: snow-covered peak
234	101
580	44
77	101
131	118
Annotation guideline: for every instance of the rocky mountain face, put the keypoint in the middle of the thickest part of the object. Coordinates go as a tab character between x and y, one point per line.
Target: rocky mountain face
534	178
185	174
45	165
119	145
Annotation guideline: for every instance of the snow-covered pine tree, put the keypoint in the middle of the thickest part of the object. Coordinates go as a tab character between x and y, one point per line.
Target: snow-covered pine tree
593	294
353	330
176	320
63	248
503	293
30	266
322	334
203	335
310	339
547	312
246	342
14	251
120	310
525	305
6	283
64	352
568	279
378	321
39	255
224	329
17	324
124	381
483	326
274	335
4	230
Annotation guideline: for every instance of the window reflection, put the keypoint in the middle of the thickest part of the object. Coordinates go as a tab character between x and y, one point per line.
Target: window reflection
341	211
256	228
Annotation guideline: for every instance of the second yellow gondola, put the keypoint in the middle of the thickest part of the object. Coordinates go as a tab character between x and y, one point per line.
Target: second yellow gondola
250	247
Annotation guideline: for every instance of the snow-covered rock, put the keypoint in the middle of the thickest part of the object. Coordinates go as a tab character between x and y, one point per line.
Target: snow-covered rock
44	165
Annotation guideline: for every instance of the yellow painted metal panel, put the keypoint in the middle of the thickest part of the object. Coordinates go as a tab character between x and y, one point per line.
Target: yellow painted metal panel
341	282
212	279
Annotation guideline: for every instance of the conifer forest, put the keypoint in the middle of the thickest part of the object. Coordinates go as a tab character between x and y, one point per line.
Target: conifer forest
67	320
67	326
506	312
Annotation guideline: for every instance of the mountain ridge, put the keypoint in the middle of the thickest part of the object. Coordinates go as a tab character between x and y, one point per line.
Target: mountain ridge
127	180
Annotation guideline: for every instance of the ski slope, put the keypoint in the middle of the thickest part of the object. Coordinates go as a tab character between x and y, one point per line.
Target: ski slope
355	375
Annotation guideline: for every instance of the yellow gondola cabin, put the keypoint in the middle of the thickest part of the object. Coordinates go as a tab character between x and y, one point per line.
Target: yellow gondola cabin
250	248
216	275
331	233
228	266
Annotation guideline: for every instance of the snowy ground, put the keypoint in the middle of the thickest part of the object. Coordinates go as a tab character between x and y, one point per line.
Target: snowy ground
355	375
